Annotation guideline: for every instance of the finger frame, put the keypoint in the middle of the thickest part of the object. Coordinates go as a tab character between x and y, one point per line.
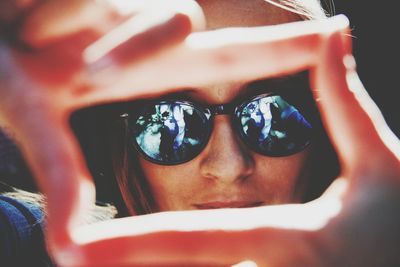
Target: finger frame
201	59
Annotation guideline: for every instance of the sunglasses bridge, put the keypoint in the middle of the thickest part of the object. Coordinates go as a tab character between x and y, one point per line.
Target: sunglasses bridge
222	109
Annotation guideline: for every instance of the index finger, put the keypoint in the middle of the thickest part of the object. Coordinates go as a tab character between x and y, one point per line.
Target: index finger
56	19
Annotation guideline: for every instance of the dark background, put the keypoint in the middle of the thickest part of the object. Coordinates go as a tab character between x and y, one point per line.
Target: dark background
375	43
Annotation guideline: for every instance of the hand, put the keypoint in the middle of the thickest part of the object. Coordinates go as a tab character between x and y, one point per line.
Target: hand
45	75
355	223
331	231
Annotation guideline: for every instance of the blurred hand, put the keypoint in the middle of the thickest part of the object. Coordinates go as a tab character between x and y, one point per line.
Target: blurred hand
46	51
354	223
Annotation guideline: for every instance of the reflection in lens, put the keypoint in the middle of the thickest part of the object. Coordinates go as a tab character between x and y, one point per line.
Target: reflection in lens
170	132
274	127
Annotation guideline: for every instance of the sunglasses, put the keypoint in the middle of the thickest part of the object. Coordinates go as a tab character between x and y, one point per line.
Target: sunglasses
171	132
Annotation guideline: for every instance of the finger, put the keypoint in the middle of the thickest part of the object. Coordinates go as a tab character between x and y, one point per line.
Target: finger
215	237
153	28
366	146
58	167
56	19
41	127
60	173
53	20
239	54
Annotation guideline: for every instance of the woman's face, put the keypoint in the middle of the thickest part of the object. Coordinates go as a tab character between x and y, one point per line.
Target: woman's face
227	173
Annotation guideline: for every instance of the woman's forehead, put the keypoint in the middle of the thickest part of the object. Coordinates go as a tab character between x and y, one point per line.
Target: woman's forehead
243	13
218	93
232	91
236	13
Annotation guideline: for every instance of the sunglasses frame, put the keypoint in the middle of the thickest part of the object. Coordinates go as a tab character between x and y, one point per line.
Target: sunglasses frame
207	114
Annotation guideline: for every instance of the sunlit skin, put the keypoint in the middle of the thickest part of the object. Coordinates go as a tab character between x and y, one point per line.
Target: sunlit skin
227	173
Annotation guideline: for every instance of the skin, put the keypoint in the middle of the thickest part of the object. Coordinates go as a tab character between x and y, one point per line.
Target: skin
250	179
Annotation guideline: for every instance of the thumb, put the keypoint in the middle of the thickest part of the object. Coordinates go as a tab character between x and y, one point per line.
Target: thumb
365	145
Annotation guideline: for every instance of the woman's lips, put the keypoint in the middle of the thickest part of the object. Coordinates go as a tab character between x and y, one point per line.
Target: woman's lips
228	204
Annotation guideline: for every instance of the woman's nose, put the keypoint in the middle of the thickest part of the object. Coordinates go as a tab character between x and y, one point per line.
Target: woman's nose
225	158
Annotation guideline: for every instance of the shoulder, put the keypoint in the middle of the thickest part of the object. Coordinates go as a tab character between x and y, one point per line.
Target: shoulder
21	232
22	223
22	212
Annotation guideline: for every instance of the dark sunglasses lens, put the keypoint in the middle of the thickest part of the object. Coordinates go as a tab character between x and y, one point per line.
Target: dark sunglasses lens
170	133
273	127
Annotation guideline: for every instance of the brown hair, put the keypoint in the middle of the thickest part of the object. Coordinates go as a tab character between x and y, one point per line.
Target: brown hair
306	9
103	136
131	181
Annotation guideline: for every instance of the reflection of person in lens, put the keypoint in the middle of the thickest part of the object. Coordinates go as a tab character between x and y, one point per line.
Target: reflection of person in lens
266	114
172	131
259	124
180	124
255	123
289	128
168	132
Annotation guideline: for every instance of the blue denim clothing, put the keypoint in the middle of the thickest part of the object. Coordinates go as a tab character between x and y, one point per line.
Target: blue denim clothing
21	235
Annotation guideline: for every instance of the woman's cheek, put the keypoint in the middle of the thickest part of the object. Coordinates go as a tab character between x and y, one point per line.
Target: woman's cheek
173	187
283	179
276	180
